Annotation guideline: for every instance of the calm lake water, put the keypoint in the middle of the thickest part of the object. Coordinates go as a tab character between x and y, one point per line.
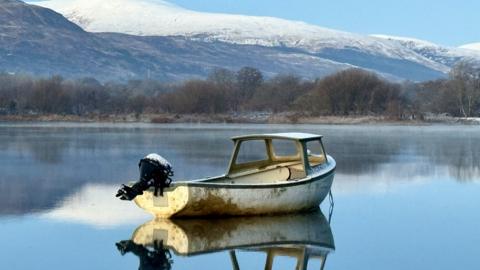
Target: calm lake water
405	198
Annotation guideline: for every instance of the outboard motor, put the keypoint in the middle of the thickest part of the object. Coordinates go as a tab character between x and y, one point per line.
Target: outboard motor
155	171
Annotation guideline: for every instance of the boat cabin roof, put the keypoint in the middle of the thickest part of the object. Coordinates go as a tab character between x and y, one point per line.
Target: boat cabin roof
298	136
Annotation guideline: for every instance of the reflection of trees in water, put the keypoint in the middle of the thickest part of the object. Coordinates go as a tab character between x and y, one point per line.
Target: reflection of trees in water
41	166
460	153
467	167
427	149
48	150
24	187
44	144
362	155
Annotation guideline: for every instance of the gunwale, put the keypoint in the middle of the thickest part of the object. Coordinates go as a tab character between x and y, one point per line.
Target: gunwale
329	169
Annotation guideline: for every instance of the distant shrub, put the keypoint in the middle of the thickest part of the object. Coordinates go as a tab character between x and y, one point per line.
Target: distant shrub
350	92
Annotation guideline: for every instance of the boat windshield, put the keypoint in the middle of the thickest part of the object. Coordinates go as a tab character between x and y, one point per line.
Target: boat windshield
267	160
252	151
285	150
315	153
267	152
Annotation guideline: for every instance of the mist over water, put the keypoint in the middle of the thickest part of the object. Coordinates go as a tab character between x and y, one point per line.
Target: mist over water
403	195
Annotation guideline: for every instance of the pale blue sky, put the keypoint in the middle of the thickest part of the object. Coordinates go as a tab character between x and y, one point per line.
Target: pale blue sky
446	22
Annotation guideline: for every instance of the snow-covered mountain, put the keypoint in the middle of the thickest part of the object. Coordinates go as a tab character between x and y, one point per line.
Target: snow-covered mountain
125	39
160	18
471	46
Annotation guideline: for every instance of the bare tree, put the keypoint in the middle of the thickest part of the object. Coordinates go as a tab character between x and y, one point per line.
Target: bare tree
465	83
278	93
248	80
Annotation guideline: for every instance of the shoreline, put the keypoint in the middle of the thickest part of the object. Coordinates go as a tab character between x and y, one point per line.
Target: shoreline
261	118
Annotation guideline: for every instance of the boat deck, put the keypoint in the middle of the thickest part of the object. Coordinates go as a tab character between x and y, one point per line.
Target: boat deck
274	174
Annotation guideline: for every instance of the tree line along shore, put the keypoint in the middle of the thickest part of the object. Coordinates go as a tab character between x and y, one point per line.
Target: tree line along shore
246	95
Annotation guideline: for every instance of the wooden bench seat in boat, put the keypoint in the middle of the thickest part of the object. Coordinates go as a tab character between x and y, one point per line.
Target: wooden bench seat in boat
271	175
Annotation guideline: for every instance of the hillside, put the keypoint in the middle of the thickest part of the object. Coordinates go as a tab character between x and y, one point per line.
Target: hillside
40	41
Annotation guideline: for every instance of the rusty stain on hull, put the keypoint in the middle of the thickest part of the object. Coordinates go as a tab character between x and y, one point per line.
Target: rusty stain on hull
212	203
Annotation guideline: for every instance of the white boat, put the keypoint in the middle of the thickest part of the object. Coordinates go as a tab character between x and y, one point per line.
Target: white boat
301	236
268	174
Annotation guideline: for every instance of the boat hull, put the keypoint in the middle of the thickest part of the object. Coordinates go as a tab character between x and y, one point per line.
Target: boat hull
207	199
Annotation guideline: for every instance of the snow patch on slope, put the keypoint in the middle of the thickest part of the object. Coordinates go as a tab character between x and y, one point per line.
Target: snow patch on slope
417	42
471	46
444	55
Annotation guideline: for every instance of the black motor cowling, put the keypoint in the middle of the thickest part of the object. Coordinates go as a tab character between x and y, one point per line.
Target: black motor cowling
155	171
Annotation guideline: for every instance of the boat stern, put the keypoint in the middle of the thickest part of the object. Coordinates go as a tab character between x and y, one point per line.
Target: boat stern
174	199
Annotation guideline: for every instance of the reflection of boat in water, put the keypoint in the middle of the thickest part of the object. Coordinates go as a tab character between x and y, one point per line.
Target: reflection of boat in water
301	236
268	174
